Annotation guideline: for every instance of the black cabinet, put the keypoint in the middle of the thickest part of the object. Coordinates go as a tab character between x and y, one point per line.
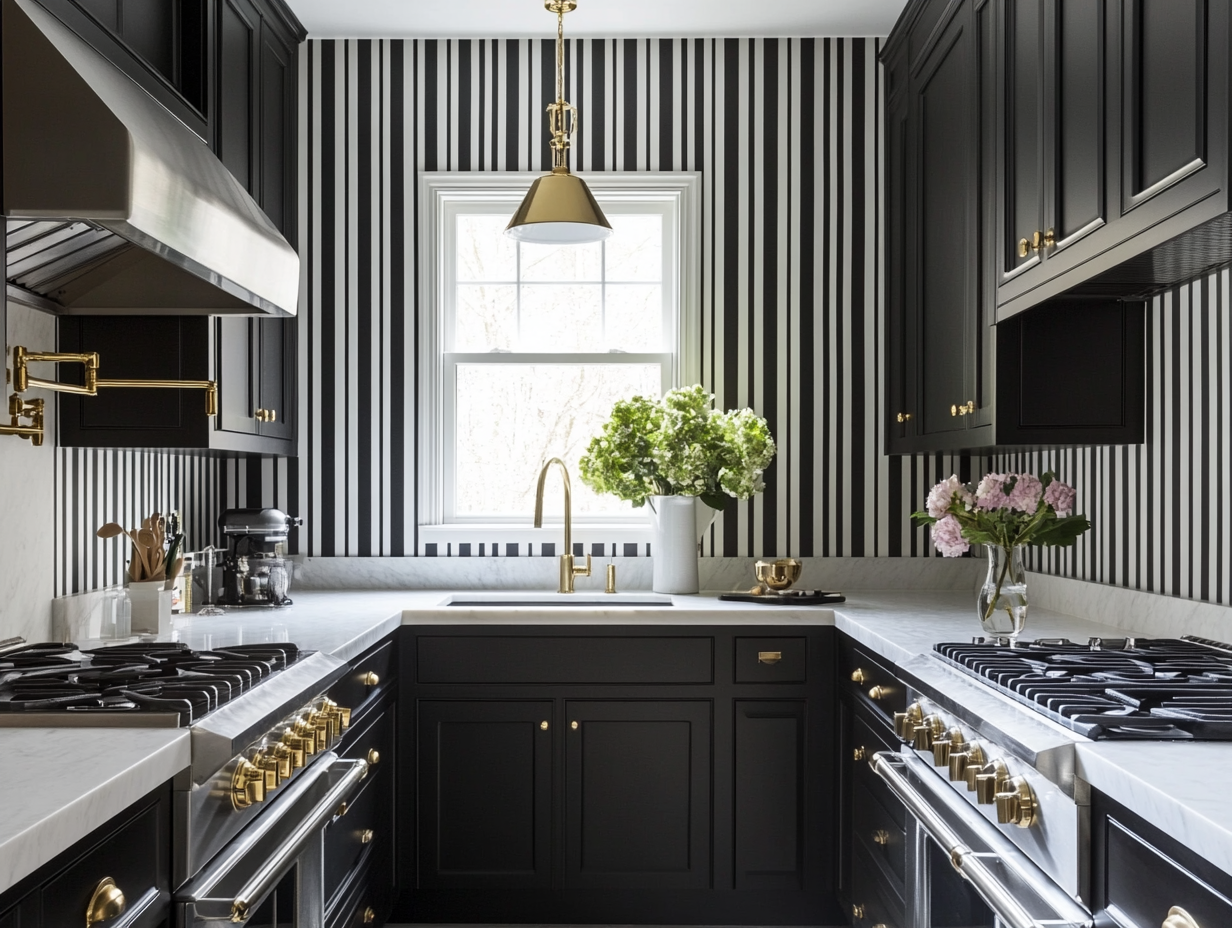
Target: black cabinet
133	850
995	169
618	775
1138	873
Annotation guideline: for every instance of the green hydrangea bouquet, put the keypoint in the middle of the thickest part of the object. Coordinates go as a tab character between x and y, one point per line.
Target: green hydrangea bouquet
678	446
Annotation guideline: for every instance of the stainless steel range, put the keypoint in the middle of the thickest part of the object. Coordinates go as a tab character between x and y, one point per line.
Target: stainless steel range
263	784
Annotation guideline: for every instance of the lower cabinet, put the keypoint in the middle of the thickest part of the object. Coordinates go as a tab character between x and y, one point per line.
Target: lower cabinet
133	851
558	794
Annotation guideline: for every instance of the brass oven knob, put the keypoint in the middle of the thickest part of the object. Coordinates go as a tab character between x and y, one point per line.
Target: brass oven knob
989	781
295	747
857	675
951	740
267	763
970	758
859	754
374	757
306	732
341	712
105	903
247	785
905	722
1016	803
930	728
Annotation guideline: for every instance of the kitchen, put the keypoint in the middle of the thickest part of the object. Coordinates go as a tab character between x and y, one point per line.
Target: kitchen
801	316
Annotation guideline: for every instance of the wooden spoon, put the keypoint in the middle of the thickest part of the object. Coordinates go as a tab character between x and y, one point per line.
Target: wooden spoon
111	530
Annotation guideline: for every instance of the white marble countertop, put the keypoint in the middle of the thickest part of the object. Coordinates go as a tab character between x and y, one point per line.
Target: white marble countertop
59	784
1168	783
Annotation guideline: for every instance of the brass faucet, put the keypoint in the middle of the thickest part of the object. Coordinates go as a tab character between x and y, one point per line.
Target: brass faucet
568	570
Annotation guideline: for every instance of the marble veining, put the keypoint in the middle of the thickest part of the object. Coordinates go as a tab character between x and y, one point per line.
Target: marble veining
59	784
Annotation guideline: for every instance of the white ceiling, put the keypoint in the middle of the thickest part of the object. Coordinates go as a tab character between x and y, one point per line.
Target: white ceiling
596	18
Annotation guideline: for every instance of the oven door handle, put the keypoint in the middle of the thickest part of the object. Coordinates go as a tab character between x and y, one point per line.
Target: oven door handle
968	863
268	875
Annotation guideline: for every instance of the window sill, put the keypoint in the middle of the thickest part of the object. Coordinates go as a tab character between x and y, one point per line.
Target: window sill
511	540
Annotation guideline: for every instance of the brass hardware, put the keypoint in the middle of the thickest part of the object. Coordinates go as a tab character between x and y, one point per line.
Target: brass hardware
878	693
106	902
930	728
966	409
341	715
610	586
881	837
306	732
904	417
371	679
369	915
342	810
989	781
1016	803
247	785
25	409
1024	247
859	754
769	657
1037	241
295	746
543	726
857	910
265	415
374	757
905	722
270	766
953	410
366	836
857	675
1050	239
949	741
22	381
1179	918
971	757
568	570
573	725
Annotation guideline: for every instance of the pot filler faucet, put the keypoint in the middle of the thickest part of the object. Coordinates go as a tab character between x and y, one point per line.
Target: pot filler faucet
568	570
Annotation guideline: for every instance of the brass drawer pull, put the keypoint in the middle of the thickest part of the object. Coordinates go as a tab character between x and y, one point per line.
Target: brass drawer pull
769	657
859	754
374	757
371	679
107	902
858	675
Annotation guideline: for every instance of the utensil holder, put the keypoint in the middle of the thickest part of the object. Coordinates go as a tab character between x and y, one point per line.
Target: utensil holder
151	607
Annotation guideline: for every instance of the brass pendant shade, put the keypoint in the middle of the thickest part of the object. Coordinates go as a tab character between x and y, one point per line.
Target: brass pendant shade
559	208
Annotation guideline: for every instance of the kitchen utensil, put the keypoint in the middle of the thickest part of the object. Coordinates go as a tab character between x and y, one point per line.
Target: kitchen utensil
780	574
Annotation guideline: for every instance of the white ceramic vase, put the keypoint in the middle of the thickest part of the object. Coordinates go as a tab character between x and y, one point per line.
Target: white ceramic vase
679	522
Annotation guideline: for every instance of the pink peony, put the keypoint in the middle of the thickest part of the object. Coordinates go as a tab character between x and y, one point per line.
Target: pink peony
1060	496
939	497
990	494
947	536
1026	494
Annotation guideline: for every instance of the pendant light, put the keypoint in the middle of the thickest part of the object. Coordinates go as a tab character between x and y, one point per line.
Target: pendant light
559	209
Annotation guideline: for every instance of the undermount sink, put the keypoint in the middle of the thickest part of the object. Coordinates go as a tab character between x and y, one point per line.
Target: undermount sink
537	598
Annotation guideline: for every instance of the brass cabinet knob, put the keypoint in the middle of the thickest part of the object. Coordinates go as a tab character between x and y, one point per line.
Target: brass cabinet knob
964	409
543	726
857	675
105	903
574	725
953	410
1050	239
1016	803
951	741
857	910
366	836
904	417
878	693
371	679
247	785
1024	247
273	415
1179	918
859	754
881	837
342	810
989	781
374	757
369	915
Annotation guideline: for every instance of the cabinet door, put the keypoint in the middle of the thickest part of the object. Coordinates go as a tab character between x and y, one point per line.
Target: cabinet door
236	366
770	778
1022	129
901	413
485	794
637	794
943	216
275	376
276	129
239	26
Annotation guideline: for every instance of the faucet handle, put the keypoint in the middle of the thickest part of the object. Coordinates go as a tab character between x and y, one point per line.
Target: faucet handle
582	571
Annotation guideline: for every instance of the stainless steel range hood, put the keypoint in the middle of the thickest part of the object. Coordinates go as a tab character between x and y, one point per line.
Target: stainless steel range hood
114	206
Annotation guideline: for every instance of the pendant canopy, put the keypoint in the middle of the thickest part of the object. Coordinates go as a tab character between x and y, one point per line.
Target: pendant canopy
559	208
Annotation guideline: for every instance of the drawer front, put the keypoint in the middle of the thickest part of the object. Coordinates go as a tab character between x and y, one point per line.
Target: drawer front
370	675
883	838
871	680
558	659
373	743
1141	883
873	901
135	857
771	660
349	837
867	740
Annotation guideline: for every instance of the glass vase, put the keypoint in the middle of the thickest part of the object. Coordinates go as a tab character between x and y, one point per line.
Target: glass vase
1003	598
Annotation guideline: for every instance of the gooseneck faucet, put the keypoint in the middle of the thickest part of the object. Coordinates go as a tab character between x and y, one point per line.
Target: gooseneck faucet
568	570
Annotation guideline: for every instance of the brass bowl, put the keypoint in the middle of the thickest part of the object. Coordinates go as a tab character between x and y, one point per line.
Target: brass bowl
780	574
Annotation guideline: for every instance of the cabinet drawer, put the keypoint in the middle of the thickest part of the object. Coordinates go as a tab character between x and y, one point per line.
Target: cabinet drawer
771	660
371	673
873	901
374	743
881	833
874	683
364	827
1140	882
554	659
867	740
135	857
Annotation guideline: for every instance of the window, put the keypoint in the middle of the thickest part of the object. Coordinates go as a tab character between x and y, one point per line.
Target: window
528	346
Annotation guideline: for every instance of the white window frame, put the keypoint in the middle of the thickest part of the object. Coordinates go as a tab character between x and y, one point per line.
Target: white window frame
442	196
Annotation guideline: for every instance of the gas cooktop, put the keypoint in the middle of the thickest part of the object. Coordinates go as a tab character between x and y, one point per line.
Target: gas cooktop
164	677
1128	688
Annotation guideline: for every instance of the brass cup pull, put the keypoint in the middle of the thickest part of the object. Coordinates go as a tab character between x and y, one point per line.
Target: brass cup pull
1179	918
374	757
366	836
371	679
769	657
881	837
107	902
369	915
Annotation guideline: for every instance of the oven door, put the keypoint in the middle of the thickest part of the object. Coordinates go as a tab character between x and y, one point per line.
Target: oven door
963	872
270	875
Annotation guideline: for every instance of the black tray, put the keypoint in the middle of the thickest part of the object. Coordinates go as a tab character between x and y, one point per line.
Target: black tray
786	598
